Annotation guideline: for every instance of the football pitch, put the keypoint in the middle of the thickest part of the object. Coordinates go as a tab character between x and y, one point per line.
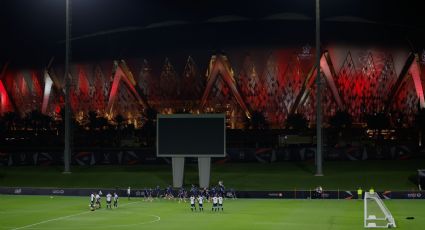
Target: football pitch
59	212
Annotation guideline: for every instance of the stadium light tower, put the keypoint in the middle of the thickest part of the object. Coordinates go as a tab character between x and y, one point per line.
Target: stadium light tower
319	171
67	150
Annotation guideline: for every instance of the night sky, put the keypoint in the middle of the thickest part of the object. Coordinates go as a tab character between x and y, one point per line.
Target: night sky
34	30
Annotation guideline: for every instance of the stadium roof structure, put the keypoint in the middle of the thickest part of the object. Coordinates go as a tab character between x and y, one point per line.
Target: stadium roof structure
34	31
220	68
258	56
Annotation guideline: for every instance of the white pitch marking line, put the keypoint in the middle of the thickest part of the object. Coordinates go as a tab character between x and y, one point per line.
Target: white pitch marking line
47	221
59	218
158	218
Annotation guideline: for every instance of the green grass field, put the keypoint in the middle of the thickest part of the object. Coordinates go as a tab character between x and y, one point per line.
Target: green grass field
345	175
44	212
59	212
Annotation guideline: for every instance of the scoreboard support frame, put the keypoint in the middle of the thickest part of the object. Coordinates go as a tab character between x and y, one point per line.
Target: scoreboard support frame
178	171
204	171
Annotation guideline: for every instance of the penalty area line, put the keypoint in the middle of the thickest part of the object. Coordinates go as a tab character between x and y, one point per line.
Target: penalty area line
59	218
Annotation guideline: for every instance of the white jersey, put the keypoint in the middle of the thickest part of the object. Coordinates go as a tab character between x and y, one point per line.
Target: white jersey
100	193
215	200
128	191
92	197
108	197
201	200
97	197
192	200
115	197
220	200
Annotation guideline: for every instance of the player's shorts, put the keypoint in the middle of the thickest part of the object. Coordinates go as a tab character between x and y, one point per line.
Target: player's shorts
108	202
214	205
200	205
192	205
220	205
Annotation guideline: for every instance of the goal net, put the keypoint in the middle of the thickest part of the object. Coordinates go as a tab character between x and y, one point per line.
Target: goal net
376	214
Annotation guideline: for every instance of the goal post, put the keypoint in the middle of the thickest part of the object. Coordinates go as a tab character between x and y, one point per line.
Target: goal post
376	214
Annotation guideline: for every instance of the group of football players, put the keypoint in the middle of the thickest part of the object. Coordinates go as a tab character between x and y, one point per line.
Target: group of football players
95	200
197	196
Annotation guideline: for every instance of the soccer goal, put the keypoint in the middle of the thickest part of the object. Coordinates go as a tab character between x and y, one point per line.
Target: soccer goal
376	214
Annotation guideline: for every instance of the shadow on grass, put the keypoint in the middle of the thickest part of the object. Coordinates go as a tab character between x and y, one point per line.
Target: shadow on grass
414	179
305	167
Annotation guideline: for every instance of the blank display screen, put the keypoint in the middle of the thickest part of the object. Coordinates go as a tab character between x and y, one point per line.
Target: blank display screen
191	135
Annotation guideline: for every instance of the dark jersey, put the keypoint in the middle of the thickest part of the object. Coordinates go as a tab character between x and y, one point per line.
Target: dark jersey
194	191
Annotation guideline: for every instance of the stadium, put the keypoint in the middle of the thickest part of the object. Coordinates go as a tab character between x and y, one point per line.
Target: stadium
212	114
